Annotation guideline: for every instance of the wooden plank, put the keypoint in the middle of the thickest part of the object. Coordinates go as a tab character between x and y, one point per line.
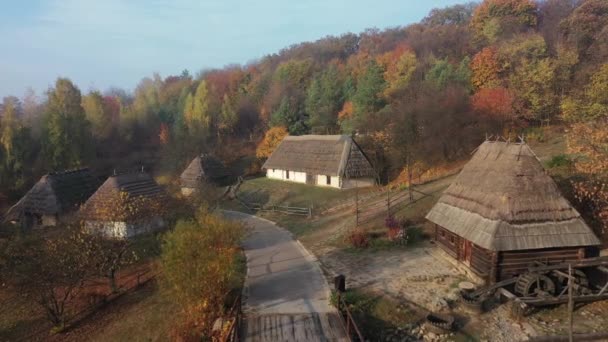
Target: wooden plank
576	337
590	262
563	299
294	327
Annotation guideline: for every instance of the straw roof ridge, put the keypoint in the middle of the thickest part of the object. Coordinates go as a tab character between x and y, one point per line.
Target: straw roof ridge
203	167
503	199
54	193
330	155
124	188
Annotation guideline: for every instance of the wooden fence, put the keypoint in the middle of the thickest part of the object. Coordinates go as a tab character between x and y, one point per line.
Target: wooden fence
391	203
283	209
235	315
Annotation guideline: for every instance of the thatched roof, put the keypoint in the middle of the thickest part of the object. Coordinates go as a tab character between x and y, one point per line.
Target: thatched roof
125	197
503	200
55	193
332	155
203	168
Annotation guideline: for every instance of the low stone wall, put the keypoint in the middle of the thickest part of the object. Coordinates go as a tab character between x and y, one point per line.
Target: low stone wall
124	230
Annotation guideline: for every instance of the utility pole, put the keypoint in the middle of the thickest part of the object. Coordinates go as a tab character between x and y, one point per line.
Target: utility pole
570	305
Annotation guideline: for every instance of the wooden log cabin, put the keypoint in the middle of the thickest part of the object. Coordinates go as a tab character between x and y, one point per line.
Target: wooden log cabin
503	213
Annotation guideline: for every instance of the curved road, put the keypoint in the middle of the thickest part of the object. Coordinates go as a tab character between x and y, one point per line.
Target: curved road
286	297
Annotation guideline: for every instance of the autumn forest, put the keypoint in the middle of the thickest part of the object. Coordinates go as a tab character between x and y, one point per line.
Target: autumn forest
417	97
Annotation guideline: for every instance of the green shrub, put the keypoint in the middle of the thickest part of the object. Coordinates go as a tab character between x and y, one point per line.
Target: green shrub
356	301
560	160
414	234
536	134
199	262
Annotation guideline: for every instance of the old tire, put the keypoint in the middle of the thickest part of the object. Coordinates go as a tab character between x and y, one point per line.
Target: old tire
473	304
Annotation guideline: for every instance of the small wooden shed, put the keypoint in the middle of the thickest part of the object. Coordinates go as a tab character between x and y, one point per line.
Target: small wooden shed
126	205
53	196
323	160
503	212
203	169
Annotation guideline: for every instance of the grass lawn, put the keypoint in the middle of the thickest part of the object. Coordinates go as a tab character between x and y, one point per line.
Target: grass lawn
143	315
19	317
269	191
377	316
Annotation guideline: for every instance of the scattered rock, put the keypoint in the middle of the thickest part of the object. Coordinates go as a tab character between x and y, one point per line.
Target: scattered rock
440	304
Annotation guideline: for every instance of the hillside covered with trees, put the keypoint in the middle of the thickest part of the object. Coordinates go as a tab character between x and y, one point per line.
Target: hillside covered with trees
417	96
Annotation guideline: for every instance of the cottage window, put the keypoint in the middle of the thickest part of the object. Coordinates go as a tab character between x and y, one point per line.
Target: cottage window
328	180
287	174
452	240
442	233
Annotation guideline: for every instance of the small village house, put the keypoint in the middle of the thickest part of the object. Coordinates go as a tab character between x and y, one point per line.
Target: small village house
323	160
204	169
52	198
503	213
126	205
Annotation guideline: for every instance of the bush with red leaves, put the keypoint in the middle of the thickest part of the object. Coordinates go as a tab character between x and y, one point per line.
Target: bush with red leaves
358	238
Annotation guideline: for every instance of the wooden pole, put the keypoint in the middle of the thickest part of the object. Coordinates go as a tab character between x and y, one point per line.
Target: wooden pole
388	201
356	204
570	305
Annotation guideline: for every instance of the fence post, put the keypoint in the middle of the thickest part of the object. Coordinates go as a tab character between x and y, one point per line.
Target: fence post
310	212
356	204
388	201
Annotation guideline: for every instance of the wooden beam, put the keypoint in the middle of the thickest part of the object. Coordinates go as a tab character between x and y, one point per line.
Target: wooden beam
591	262
494	267
563	299
576	337
603	289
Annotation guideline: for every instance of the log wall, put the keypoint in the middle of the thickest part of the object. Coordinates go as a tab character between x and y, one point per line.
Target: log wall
516	262
481	261
448	241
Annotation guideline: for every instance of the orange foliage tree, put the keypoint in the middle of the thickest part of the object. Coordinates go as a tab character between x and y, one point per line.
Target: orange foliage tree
492	17
399	66
346	112
588	142
164	134
271	140
496	103
486	69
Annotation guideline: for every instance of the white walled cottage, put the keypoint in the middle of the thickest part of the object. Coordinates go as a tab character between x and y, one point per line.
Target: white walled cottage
323	160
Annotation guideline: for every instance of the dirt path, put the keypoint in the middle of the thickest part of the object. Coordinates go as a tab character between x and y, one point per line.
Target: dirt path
286	296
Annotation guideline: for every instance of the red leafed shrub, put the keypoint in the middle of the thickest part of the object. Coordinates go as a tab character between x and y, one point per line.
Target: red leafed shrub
395	233
358	238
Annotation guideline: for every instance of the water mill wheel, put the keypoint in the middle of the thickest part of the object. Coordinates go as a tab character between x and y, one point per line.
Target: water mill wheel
534	285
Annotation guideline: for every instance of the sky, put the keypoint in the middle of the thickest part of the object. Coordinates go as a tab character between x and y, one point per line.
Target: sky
103	43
